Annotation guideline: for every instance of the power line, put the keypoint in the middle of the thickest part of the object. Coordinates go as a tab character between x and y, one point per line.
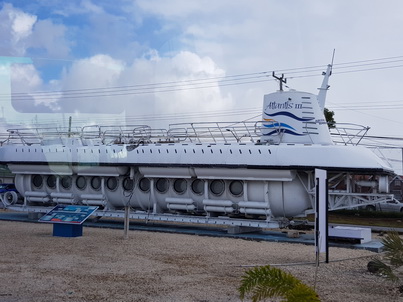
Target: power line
202	83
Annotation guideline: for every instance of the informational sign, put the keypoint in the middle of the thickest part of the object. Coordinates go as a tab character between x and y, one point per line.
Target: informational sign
68	214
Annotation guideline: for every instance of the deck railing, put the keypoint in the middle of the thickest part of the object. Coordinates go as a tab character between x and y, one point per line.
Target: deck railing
203	132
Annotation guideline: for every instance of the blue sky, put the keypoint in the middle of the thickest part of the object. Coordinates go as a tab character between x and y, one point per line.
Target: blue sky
87	46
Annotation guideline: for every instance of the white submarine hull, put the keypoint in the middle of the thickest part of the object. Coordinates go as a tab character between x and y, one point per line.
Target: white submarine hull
233	170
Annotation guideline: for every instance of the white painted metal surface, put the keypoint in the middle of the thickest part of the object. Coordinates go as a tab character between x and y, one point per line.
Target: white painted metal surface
344	232
246	174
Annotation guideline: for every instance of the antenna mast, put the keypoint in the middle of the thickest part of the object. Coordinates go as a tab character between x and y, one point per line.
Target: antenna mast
280	79
325	87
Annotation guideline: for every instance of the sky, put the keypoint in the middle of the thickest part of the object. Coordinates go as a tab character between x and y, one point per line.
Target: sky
162	62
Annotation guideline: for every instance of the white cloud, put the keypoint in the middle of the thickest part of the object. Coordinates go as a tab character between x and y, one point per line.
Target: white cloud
76	7
187	66
28	87
244	36
221	37
15	27
133	85
90	7
21	31
22	23
51	37
25	78
94	72
175	8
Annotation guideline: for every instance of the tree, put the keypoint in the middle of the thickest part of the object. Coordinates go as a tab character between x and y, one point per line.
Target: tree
269	282
329	116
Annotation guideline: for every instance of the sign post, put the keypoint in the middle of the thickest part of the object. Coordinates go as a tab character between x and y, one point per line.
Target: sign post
68	219
321	214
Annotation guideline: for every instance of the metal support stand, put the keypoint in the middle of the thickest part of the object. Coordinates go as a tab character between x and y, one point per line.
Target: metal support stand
126	222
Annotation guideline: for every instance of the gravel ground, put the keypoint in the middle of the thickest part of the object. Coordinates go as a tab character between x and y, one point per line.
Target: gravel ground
150	266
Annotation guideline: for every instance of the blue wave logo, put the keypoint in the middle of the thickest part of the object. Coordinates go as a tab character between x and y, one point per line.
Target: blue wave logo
284	131
275	124
286	113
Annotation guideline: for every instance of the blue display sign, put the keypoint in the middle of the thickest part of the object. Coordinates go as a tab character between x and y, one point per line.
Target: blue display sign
68	214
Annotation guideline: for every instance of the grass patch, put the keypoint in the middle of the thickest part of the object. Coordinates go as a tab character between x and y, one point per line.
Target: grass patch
391	220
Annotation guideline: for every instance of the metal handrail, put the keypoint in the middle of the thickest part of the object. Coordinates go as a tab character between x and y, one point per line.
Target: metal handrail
350	134
202	132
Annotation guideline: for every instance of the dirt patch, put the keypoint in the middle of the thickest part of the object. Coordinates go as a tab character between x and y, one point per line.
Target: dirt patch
150	266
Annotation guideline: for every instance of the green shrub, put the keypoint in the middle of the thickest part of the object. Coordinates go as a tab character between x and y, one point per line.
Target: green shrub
393	258
269	282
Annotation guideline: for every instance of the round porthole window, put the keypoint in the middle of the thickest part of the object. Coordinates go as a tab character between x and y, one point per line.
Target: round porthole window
236	187
198	186
162	185
180	186
66	182
51	181
144	184
217	187
128	184
37	180
112	183
81	182
96	183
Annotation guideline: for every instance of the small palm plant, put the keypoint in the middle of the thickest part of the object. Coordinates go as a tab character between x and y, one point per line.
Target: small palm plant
269	282
390	269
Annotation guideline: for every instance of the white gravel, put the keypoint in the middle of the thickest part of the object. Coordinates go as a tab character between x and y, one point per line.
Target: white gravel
150	266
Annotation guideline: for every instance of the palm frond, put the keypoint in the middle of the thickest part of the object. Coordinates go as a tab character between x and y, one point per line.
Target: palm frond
266	281
393	246
383	269
302	292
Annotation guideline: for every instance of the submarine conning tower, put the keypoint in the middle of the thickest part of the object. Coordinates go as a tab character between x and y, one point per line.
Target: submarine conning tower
295	117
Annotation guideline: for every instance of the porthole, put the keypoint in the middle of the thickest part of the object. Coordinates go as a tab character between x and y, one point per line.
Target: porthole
180	186
198	186
112	183
81	182
144	184
66	182
51	181
37	180
128	184
236	188
96	183
162	185
217	187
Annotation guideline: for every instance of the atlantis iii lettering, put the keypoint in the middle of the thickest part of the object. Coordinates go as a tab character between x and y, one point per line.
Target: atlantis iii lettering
285	105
